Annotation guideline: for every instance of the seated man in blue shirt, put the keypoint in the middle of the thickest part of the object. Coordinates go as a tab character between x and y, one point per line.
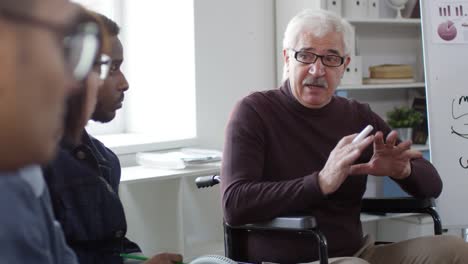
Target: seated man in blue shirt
36	76
84	180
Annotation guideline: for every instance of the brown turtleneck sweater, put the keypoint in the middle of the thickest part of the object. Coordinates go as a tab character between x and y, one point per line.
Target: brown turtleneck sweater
274	149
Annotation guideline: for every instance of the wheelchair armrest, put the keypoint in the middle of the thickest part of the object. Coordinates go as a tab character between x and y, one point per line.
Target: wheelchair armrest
396	205
300	224
403	205
282	223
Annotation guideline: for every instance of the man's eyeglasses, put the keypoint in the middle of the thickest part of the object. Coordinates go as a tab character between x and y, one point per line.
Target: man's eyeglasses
310	57
80	42
103	65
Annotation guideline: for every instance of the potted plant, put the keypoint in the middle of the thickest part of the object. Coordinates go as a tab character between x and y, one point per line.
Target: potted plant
403	120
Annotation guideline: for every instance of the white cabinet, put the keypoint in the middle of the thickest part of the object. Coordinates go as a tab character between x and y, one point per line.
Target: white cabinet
166	212
383	40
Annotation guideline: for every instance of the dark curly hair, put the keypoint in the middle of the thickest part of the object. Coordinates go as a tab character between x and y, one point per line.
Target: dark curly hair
112	28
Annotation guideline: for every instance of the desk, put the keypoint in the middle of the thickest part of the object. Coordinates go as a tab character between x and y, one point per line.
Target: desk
166	212
139	174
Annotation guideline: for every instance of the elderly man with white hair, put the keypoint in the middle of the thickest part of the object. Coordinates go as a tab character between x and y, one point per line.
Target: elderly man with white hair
291	151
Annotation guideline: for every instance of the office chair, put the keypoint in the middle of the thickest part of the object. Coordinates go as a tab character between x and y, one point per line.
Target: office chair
307	225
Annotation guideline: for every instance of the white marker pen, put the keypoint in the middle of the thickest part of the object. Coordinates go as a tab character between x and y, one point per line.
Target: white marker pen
366	131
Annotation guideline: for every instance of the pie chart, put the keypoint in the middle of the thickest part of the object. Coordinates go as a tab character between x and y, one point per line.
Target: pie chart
447	30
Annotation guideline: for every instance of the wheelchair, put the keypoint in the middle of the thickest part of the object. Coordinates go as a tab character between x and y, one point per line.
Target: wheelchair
307	225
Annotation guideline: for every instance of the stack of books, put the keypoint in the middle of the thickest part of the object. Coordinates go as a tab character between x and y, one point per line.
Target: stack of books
180	159
390	73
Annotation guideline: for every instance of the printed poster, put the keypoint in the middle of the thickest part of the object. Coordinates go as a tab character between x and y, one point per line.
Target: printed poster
449	21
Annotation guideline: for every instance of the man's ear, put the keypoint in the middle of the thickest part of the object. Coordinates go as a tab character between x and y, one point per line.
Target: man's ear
286	58
345	64
347	61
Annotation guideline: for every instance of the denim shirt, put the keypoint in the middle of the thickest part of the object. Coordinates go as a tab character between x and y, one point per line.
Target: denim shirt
29	232
83	182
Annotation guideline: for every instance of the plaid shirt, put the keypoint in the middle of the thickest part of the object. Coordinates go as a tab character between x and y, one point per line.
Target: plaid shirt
83	182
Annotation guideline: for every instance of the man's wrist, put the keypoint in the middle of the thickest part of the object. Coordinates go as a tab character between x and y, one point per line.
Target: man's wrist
322	184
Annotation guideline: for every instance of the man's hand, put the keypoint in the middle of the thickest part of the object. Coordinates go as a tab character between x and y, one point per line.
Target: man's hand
339	163
165	258
389	159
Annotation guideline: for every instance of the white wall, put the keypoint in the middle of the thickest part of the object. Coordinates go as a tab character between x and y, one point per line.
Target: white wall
234	55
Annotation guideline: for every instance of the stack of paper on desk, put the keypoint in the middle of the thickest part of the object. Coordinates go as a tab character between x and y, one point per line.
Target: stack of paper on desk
178	159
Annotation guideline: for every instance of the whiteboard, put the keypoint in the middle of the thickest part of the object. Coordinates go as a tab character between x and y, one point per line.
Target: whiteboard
445	45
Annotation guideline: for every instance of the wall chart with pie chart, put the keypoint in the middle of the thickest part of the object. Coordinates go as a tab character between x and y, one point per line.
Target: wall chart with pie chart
449	21
445	45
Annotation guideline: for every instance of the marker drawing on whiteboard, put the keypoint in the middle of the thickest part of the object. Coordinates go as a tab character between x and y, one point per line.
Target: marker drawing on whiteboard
458	133
461	108
366	131
465	166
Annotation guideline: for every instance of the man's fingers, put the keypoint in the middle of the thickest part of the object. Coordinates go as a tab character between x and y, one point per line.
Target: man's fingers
378	139
362	145
346	140
353	151
405	145
391	138
412	154
165	258
366	142
359	147
174	257
349	139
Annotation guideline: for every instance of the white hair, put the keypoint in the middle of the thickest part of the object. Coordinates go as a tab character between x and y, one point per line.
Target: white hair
318	22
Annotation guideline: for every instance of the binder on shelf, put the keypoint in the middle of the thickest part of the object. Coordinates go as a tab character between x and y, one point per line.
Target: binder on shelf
373	9
353	73
352	48
356	9
335	6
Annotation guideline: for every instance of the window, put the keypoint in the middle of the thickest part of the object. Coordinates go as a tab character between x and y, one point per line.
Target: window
159	51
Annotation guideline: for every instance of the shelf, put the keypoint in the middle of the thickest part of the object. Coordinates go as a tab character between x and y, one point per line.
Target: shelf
381	86
386	21
420	147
